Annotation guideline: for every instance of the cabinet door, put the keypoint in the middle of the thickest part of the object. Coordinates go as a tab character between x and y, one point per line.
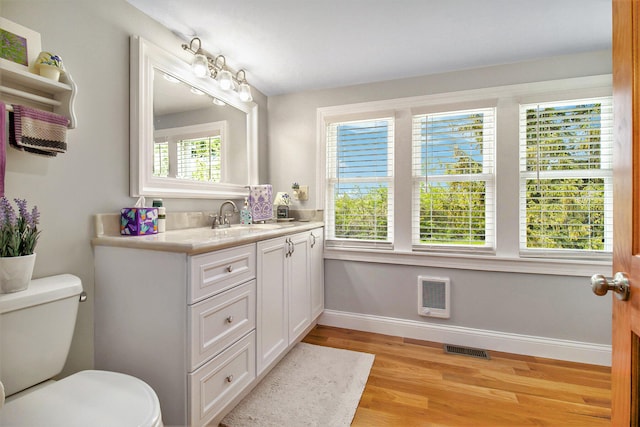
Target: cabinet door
299	289
316	249
272	310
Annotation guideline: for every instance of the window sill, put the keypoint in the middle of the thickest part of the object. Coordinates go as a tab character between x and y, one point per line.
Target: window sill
560	267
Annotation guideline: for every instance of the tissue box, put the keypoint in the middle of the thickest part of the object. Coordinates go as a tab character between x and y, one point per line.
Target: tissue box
138	221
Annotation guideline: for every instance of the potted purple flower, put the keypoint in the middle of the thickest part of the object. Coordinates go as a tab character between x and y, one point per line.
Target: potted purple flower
18	238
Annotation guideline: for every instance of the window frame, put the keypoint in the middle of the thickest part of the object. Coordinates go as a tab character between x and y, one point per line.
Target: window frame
506	99
332	180
173	136
606	174
487	176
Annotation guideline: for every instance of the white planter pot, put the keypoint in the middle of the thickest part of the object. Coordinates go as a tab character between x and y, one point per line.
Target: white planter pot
15	273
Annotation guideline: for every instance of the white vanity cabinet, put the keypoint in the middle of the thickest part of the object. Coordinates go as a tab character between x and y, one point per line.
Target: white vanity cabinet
184	324
316	251
288	267
202	329
221	324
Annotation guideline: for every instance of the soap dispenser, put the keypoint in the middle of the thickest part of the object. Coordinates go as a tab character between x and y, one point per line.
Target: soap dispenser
245	213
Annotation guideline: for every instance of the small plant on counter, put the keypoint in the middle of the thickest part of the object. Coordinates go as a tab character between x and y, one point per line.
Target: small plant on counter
18	233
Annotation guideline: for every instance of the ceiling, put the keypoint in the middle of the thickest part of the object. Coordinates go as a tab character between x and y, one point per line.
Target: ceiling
291	46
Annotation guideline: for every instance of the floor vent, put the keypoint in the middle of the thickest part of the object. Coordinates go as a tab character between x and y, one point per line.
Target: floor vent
466	351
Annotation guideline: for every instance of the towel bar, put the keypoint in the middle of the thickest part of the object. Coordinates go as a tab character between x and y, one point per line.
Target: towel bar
30	96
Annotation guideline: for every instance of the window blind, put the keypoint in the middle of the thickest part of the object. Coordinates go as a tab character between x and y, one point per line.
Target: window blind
453	179
566	177
199	159
161	158
360	182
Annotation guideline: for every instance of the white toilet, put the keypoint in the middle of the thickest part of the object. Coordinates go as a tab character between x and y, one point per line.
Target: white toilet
36	327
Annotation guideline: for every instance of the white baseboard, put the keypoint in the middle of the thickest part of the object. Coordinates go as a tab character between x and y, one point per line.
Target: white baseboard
574	351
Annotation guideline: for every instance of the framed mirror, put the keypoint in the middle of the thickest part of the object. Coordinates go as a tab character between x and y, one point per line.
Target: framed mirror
189	138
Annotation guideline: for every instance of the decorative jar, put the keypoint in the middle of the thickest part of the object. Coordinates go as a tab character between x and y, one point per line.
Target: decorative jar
49	65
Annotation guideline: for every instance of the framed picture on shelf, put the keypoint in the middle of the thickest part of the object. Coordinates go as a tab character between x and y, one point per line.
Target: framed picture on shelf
19	46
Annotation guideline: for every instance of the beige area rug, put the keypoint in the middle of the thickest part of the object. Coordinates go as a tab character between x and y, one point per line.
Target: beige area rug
311	386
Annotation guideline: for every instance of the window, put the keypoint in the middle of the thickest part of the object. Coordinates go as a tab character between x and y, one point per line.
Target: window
199	159
360	182
453	179
566	178
160	158
191	153
509	178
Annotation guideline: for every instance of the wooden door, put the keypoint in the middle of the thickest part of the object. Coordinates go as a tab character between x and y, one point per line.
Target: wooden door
626	202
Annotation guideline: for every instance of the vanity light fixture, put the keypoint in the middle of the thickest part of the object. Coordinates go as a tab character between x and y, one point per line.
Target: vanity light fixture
244	90
200	63
216	68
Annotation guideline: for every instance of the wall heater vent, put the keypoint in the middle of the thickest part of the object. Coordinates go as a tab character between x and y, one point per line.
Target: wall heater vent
434	296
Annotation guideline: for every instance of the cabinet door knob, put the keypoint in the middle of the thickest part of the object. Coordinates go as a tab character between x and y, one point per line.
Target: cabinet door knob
229	269
229	378
229	319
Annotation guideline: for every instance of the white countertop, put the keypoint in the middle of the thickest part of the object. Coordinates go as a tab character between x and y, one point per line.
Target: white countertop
195	240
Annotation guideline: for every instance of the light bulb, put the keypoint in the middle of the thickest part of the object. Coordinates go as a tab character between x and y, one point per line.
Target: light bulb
200	65
244	92
225	80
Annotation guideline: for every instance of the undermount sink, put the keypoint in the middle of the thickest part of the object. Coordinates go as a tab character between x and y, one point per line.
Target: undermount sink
267	226
235	230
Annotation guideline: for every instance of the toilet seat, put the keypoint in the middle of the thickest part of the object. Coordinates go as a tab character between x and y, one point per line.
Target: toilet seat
87	398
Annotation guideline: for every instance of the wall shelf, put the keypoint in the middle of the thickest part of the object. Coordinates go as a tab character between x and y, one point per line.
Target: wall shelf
20	86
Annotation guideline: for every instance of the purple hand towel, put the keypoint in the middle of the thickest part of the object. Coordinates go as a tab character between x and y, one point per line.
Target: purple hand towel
260	202
38	131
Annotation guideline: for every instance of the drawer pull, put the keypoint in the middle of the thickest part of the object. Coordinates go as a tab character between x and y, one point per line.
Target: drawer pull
229	378
229	319
229	269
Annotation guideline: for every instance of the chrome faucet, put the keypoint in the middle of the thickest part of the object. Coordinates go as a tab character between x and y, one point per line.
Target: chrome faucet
223	222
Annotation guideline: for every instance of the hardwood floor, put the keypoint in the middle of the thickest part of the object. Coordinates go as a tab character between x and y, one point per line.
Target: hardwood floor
414	383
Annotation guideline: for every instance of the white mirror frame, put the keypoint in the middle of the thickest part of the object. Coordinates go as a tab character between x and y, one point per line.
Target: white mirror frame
145	57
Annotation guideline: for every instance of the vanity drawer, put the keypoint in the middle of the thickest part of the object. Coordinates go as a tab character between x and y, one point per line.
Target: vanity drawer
218	271
220	320
218	382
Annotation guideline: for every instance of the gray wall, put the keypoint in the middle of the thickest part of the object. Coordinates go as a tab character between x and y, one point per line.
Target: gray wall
540	305
92	37
530	304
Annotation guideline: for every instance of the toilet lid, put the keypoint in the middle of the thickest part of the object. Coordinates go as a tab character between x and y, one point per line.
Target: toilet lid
87	398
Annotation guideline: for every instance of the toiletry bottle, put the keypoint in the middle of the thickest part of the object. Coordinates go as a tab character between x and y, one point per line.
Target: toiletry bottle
162	215
162	219
245	213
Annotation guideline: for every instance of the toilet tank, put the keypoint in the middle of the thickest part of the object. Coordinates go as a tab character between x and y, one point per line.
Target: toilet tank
36	327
